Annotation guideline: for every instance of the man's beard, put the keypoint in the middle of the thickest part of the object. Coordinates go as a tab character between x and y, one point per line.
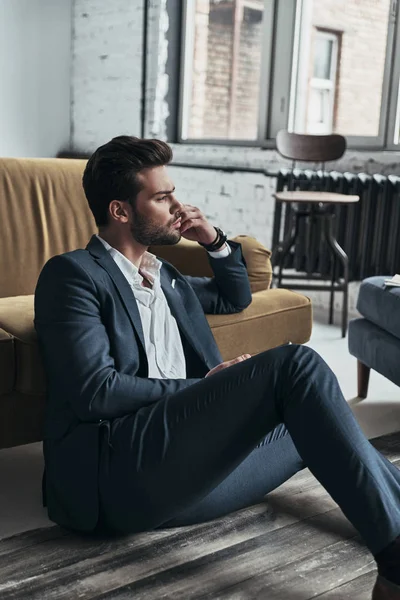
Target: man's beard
148	234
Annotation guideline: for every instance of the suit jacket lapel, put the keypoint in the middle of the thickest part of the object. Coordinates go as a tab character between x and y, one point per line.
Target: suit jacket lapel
175	302
178	310
104	259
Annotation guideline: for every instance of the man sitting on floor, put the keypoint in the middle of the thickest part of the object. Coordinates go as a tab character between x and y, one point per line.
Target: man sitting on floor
145	426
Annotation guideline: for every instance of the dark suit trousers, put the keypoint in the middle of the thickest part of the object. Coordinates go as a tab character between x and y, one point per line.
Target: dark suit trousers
225	442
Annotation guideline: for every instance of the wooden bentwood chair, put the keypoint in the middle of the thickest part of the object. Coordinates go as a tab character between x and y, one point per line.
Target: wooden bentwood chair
313	205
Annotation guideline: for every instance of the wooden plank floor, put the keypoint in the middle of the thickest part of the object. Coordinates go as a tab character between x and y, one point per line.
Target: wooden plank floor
295	546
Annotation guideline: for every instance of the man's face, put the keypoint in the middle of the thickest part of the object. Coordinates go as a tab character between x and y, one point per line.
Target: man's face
155	211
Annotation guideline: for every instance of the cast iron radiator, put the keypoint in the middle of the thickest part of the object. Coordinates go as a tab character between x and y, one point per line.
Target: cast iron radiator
368	231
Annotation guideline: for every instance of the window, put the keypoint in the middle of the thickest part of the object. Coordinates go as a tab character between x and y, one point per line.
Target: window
347	90
322	93
226	76
229	69
252	67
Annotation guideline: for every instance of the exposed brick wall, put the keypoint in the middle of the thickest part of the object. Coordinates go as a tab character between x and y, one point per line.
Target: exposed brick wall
210	111
239	202
218	78
156	107
200	63
248	84
106	70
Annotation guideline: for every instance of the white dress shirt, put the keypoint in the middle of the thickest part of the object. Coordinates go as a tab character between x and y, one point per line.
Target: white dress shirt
163	343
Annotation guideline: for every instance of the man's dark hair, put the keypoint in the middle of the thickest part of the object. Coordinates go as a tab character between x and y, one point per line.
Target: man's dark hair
110	173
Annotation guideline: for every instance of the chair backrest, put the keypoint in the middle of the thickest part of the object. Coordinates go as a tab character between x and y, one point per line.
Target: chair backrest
310	148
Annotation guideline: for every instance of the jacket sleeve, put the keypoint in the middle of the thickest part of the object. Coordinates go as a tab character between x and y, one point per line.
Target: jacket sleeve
229	290
75	348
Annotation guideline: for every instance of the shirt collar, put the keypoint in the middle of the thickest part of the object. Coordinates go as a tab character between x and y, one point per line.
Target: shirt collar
150	265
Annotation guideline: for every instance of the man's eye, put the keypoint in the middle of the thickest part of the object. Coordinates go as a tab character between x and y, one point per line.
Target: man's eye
163	198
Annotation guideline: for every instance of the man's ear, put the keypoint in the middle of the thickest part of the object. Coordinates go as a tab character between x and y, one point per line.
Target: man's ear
119	211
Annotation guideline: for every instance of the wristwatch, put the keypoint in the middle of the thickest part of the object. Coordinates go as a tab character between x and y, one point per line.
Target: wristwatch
217	243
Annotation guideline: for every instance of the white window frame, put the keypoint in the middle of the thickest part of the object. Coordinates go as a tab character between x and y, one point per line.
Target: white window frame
328	84
396	134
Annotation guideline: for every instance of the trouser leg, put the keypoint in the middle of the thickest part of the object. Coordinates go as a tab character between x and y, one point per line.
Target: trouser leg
269	465
171	455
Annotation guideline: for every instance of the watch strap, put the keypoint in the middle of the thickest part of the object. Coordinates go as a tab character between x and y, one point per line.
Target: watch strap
218	242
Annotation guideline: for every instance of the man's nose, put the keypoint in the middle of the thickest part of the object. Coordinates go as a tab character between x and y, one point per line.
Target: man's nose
176	206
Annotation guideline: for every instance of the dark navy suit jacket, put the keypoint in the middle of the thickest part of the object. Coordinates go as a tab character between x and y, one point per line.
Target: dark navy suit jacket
91	340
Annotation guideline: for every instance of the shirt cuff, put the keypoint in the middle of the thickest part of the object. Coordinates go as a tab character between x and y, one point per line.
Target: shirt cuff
221	253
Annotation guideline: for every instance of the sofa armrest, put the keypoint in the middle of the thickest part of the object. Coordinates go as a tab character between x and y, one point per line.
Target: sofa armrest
258	260
191	259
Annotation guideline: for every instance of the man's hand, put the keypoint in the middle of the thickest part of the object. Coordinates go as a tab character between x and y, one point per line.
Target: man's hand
228	363
194	225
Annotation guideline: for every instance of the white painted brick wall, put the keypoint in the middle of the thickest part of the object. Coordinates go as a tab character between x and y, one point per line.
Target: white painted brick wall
106	71
238	202
157	111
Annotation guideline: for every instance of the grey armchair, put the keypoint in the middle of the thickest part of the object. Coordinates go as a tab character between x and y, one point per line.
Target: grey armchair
374	338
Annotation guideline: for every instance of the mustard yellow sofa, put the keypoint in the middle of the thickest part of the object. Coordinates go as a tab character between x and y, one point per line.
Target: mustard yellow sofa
43	212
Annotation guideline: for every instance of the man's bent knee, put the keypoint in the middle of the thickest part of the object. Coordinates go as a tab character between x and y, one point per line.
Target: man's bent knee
294	351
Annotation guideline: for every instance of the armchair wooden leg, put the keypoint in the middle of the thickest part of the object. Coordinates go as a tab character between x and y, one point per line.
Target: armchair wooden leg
363	379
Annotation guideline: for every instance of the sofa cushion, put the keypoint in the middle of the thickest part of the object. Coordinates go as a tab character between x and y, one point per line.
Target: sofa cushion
7	362
274	317
16	318
380	304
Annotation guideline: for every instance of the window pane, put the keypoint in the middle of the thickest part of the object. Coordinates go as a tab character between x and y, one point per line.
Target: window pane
320	111
323	57
224	97
358	56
